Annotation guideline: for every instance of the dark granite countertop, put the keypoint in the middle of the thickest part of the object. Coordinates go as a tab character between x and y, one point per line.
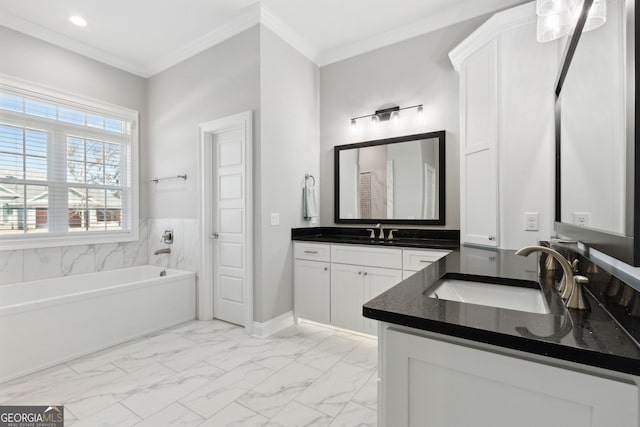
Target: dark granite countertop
408	238
591	338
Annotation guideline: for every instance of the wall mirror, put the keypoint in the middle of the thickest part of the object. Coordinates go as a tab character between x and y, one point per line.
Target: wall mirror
595	135
397	180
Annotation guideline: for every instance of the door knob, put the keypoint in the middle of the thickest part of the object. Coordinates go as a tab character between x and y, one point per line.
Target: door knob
215	235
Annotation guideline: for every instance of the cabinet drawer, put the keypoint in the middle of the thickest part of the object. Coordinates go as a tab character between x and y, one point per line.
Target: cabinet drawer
416	260
374	256
312	251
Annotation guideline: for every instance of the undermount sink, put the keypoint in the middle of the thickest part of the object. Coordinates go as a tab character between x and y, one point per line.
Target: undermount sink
520	295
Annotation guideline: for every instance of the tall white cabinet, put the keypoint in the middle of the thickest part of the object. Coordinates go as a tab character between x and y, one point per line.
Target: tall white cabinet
507	98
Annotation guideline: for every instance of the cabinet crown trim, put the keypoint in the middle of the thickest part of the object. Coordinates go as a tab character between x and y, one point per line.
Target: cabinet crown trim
491	29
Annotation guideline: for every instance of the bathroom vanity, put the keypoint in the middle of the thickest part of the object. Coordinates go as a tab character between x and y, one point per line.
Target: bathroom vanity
458	363
336	270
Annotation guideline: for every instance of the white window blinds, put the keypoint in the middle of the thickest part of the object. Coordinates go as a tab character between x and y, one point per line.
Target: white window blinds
66	167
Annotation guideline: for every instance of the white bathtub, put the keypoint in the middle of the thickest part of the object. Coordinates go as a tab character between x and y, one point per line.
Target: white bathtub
46	322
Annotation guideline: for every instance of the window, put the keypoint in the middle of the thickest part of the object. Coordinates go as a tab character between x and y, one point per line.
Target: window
67	174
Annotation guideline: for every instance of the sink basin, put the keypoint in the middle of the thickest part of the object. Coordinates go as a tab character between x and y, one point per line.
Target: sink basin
520	295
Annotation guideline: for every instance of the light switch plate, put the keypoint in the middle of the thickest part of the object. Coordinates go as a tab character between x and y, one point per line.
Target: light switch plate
275	218
531	221
581	219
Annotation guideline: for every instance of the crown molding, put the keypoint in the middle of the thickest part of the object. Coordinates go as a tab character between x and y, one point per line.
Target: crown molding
424	26
250	17
499	23
18	24
271	21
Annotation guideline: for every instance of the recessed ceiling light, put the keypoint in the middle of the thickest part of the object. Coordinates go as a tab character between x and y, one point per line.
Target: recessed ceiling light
80	22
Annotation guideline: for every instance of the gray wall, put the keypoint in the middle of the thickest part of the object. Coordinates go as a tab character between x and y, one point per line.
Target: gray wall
219	82
34	60
415	71
289	148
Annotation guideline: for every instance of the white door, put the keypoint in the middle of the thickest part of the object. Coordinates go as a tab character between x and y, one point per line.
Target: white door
229	225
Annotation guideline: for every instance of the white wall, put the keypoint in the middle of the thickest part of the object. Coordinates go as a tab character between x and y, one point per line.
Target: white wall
219	82
288	149
33	60
415	71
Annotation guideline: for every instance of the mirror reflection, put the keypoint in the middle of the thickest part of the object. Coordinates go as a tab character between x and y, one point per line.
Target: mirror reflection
594	171
394	180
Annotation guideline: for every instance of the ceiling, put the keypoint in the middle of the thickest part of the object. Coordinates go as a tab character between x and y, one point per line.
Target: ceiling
147	36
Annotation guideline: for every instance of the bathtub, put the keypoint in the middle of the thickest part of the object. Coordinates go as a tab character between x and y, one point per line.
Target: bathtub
46	322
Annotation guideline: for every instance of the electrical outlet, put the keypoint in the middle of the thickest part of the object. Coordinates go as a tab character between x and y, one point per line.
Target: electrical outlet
275	218
531	221
581	219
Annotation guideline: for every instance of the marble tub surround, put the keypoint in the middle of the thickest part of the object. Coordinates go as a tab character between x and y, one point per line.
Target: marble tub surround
183	376
185	249
406	237
592	338
25	265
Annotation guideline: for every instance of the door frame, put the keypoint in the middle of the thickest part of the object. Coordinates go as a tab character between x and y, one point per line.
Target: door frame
243	121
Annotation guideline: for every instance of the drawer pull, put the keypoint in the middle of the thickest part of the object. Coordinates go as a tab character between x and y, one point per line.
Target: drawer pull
425	260
326	268
310	252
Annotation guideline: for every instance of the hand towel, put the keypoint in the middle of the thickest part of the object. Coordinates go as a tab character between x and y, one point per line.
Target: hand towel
309	205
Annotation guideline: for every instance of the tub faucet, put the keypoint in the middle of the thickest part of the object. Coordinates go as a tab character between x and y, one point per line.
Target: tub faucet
571	285
162	251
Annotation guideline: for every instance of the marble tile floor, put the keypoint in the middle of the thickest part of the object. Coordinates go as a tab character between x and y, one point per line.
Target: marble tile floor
213	374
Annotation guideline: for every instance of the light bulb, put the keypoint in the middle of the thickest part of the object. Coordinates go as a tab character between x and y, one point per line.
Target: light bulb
79	21
553	27
374	121
395	118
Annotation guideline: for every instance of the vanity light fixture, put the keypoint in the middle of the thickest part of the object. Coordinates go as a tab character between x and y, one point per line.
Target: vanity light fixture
78	20
386	114
557	18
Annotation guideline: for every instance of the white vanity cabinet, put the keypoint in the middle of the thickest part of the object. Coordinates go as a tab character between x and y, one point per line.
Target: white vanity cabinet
414	260
359	273
428	381
333	281
351	287
507	84
312	279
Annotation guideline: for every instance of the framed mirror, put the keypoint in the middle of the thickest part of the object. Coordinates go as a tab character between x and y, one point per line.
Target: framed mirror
596	156
391	181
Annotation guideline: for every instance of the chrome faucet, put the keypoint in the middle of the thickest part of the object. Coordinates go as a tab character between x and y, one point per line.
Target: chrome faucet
381	228
570	285
162	251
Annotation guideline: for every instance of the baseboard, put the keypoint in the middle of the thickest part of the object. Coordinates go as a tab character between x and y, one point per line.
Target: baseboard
271	326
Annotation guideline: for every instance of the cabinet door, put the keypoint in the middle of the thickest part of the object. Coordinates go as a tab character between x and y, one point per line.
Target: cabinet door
377	281
454	385
347	296
479	152
312	287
